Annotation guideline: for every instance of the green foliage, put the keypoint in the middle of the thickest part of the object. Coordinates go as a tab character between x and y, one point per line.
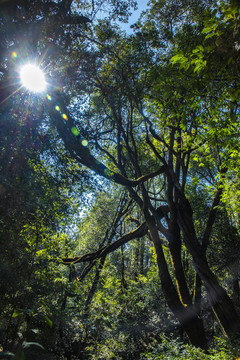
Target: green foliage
170	349
122	321
167	94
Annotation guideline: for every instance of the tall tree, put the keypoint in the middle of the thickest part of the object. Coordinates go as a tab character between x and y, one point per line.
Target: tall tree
149	121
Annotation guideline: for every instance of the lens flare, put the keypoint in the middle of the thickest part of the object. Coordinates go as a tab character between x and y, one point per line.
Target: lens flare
14	54
64	116
84	142
33	78
57	108
75	131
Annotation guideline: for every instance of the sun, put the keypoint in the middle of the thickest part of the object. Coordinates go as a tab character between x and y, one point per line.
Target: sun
32	78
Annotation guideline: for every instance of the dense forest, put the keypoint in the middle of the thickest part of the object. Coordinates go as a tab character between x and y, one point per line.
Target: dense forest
120	180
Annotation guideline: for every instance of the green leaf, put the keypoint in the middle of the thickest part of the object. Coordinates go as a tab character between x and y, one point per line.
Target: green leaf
207	30
49	322
195	51
179	58
198	69
209	35
17	313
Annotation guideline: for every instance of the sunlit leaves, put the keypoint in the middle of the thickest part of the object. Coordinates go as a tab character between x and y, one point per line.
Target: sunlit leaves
196	60
179	58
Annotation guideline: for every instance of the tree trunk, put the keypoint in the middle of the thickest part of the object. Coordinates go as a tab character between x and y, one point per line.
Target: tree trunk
141	257
197	295
236	290
94	285
217	296
123	281
175	251
220	301
185	314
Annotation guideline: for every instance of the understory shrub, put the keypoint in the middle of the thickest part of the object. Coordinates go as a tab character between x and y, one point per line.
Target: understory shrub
171	349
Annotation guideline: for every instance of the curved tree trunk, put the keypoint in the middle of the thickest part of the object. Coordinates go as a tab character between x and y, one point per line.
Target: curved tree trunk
185	314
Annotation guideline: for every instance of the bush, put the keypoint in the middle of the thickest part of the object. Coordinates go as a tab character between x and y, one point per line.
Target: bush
171	350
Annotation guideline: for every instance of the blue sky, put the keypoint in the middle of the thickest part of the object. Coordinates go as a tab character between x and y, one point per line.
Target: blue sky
142	5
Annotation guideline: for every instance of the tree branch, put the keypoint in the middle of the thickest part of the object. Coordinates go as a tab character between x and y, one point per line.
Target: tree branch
212	214
211	219
82	153
135	234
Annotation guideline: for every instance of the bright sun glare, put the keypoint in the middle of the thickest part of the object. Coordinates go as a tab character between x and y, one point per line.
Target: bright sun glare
32	78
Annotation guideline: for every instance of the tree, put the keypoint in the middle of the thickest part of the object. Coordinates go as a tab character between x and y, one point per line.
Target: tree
40	183
35	186
148	123
168	123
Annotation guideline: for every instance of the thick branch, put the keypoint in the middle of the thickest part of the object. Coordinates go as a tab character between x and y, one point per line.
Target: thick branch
135	234
69	20
82	154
